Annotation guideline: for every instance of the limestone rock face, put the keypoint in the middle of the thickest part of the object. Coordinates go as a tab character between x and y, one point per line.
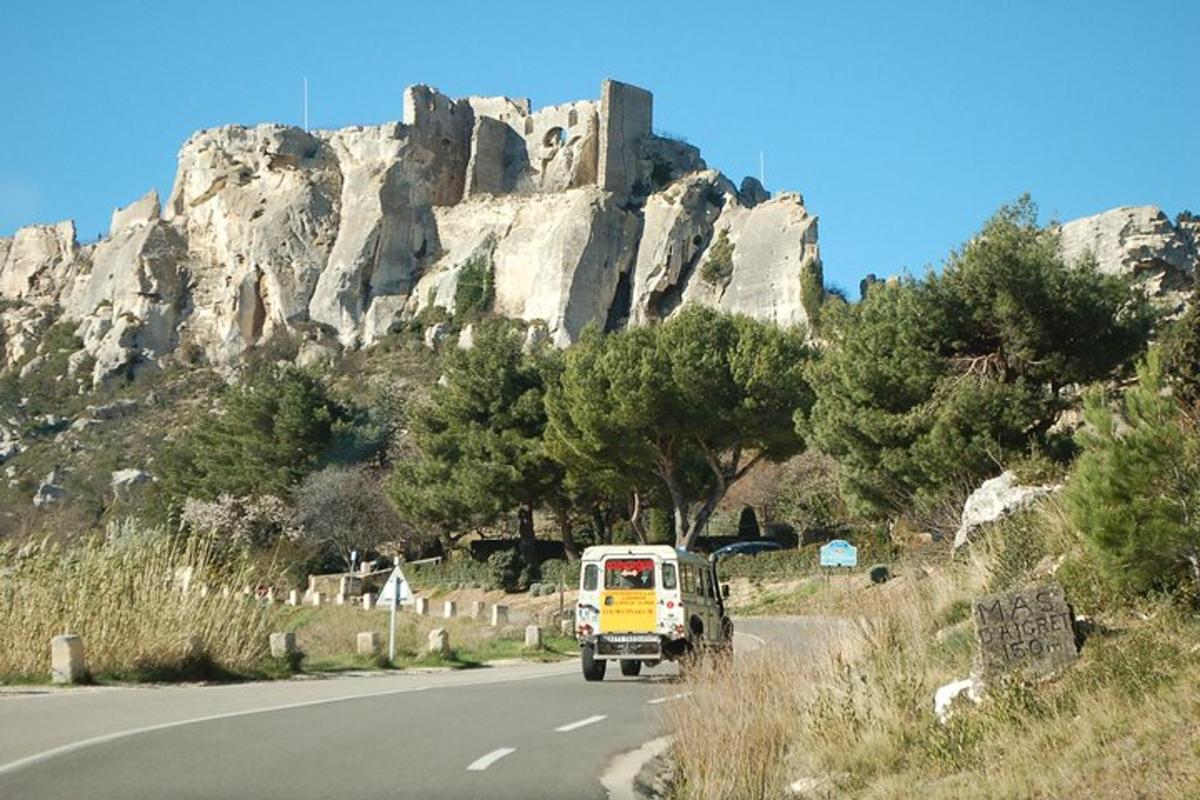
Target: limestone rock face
259	210
994	500
581	213
38	262
1139	241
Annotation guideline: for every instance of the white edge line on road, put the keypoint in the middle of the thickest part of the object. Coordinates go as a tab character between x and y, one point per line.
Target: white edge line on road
575	725
761	641
483	762
46	755
658	700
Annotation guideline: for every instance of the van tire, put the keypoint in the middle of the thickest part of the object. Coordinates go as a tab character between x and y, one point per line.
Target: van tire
593	668
630	667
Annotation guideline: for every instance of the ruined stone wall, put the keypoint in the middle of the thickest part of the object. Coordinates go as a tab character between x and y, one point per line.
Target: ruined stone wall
626	118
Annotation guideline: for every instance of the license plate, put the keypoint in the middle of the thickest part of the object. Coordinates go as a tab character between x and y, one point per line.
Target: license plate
629	638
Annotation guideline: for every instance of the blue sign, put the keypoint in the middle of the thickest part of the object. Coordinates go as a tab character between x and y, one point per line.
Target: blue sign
839	553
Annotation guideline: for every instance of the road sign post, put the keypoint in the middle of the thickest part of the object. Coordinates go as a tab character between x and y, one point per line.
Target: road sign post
839	553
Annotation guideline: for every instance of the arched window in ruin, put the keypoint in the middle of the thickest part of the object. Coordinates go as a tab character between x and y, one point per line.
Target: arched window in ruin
572	118
528	125
555	137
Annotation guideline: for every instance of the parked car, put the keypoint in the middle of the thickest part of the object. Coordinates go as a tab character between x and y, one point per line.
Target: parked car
746	549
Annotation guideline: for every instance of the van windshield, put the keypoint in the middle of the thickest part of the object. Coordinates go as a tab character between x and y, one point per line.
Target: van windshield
629	573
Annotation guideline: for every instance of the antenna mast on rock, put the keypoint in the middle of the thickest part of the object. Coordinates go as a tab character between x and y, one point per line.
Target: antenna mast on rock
762	168
306	105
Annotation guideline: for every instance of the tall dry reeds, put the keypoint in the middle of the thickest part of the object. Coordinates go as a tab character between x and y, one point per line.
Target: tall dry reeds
840	706
122	594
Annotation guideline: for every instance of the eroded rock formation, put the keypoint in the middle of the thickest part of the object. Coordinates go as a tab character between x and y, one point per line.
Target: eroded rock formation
581	213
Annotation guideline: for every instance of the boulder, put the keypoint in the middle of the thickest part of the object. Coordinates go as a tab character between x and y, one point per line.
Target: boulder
48	494
125	479
994	500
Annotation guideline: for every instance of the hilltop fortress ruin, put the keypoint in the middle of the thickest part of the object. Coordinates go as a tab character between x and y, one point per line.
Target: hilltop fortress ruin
579	211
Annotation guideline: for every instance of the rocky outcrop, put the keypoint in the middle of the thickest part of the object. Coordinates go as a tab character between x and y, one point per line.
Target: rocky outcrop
581	213
994	500
1139	241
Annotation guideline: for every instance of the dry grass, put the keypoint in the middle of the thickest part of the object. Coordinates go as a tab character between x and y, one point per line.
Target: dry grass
118	593
858	721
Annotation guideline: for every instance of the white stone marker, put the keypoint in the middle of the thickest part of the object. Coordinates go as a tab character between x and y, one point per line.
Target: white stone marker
439	641
368	643
283	644
293	598
533	637
450	609
421	606
66	659
477	609
340	599
316	599
499	615
368	601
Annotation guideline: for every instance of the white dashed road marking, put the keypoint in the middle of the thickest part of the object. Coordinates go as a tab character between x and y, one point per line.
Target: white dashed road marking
483	762
581	723
658	700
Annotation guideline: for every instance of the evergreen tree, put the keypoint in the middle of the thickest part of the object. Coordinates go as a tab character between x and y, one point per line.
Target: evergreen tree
691	404
479	437
267	433
1135	490
926	387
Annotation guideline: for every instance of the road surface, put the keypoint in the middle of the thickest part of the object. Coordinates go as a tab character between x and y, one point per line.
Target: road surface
523	732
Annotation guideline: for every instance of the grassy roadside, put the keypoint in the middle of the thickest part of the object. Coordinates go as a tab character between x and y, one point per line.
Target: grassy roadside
1123	722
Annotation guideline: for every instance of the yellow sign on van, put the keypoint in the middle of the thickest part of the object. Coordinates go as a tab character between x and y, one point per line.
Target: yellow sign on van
628	611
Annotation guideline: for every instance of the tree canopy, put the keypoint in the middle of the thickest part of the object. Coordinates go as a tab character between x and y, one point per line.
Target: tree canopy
479	443
266	434
692	404
927	386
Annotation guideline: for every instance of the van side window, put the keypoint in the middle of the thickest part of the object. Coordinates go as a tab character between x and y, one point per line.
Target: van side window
706	591
668	576
689	579
591	575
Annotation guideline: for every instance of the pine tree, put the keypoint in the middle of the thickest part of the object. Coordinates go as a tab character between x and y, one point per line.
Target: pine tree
1135	490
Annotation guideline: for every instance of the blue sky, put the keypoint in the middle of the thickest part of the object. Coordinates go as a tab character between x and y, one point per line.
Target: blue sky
904	125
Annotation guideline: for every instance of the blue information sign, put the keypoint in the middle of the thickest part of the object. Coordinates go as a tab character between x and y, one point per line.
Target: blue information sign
839	553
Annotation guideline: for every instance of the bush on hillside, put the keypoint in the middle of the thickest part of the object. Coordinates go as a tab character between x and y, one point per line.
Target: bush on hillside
1135	492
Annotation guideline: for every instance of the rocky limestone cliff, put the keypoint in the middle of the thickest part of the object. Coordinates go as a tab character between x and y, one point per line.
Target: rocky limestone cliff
582	213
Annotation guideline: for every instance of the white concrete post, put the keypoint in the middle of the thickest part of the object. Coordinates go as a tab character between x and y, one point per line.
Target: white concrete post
477	609
533	637
368	643
450	610
368	601
439	641
421	606
67	664
316	599
340	599
293	598
499	615
283	645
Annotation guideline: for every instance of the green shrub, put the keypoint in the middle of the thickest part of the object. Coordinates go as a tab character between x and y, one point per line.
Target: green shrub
474	294
1135	492
718	267
509	571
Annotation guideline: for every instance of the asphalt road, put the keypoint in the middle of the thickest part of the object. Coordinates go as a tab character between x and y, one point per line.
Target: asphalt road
523	732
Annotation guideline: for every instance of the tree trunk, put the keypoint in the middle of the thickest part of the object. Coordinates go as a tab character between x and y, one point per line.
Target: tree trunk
527	545
568	535
635	518
600	520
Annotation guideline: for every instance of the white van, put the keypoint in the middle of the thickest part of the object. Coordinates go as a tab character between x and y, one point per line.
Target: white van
647	603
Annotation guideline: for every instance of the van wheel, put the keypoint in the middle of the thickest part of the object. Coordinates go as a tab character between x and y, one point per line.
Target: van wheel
630	667
593	668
